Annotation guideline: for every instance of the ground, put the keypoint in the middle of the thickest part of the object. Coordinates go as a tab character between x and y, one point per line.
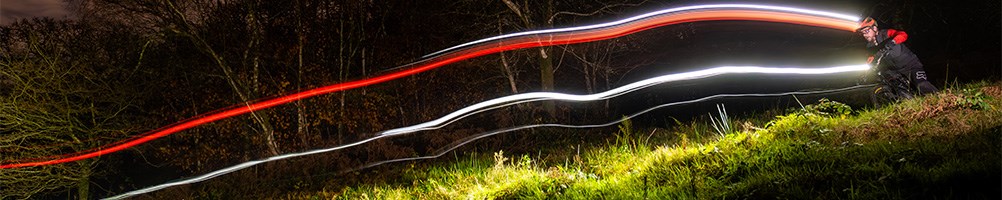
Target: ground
942	146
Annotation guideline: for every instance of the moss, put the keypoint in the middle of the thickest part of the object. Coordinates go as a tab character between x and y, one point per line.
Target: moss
825	150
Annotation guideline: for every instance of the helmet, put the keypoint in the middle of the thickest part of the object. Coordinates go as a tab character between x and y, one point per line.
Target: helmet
868	22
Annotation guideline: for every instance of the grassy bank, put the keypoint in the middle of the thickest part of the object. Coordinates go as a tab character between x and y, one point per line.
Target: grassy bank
943	146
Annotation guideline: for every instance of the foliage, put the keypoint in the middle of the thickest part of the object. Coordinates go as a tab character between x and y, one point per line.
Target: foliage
809	153
974	99
121	68
160	62
626	137
827	108
723	125
53	104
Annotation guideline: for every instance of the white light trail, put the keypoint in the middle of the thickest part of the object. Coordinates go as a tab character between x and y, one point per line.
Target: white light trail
531	97
237	167
511	100
656	13
472	138
540	96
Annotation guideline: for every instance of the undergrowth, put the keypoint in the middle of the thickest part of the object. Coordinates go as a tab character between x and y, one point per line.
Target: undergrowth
942	146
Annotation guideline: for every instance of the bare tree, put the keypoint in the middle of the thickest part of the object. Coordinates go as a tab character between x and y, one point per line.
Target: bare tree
532	15
526	16
599	62
188	19
56	104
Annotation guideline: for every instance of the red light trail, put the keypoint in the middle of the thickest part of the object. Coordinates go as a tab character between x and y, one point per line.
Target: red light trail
463	52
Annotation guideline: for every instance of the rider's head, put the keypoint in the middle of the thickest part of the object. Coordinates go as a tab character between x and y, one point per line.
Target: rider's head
868	29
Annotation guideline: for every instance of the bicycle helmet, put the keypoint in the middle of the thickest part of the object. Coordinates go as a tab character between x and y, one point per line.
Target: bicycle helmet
866	23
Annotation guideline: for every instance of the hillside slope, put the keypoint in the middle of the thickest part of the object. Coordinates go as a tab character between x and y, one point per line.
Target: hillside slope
939	146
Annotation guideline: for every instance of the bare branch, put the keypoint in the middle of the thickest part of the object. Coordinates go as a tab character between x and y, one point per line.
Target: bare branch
604	9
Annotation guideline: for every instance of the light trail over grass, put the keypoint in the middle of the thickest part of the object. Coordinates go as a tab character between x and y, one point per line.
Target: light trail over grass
529	97
472	138
541	96
479	48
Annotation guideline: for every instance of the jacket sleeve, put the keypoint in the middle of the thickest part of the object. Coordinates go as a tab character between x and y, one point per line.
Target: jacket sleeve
898	36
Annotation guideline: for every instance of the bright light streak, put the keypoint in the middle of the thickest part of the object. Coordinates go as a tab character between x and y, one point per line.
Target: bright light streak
540	96
848	18
239	167
458	144
472	138
485	47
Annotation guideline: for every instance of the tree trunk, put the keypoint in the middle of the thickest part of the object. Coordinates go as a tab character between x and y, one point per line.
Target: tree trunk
83	185
255	85
301	123
83	188
546	78
509	73
545	60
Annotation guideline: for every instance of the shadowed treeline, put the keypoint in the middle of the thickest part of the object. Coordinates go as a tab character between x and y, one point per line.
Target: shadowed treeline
119	68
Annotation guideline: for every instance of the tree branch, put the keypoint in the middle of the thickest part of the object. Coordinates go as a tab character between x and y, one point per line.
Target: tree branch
604	9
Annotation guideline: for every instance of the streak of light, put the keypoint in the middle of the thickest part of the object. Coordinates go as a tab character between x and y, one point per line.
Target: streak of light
528	97
480	48
456	144
472	138
541	96
848	18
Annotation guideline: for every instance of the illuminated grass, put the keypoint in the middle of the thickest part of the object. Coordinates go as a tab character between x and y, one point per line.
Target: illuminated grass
941	146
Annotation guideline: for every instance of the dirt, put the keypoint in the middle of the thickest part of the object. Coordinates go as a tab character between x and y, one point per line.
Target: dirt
945	109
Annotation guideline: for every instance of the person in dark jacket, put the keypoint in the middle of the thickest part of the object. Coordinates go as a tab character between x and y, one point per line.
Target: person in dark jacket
892	58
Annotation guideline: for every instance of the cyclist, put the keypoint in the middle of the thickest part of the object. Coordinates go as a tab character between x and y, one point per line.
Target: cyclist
893	59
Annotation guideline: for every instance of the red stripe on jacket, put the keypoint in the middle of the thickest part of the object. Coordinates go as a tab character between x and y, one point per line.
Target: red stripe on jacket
898	36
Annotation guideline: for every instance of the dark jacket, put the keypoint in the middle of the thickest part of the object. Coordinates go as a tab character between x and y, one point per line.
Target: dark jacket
899	57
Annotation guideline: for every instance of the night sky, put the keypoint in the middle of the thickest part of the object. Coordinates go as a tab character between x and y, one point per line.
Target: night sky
11	10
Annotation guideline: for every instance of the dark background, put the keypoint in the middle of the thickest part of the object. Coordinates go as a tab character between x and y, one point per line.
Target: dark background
162	68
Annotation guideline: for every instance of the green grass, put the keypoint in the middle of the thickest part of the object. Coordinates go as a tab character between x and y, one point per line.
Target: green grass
944	146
